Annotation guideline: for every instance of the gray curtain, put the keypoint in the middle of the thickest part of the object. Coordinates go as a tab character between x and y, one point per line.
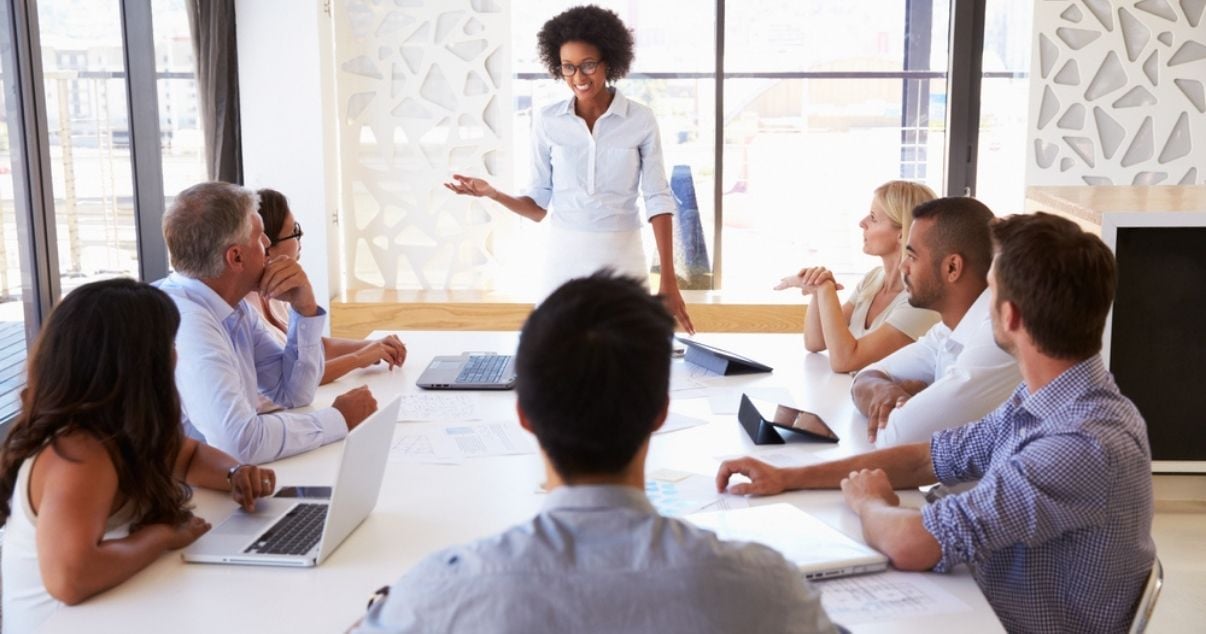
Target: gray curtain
212	23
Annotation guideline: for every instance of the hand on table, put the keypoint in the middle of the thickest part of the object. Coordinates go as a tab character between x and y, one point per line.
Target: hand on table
182	534
389	349
356	405
887	398
868	485
764	478
249	482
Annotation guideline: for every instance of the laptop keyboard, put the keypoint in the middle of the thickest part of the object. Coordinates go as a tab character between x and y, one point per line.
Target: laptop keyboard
295	533
483	368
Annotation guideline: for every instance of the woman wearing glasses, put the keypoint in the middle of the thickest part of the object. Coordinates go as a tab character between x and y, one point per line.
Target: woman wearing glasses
342	355
591	152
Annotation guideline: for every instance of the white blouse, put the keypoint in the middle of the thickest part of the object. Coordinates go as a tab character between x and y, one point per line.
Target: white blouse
590	181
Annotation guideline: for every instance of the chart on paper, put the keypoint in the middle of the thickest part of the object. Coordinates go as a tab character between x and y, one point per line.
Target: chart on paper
884	596
443	406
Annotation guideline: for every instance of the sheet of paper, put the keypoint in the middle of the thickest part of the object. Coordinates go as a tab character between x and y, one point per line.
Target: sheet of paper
482	440
676	421
684	496
687	380
438	406
424	447
885	596
728	400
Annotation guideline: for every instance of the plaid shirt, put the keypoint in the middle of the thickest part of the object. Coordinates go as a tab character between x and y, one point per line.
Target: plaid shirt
1058	530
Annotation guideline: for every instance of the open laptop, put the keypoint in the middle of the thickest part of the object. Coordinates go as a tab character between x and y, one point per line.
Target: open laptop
304	531
469	371
820	551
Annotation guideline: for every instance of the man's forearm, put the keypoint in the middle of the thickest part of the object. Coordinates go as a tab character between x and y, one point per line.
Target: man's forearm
899	533
907	466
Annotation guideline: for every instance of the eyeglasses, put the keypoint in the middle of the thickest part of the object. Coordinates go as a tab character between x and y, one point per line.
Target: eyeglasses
587	68
297	234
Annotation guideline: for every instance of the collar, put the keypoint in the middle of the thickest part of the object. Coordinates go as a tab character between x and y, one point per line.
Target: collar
201	293
1064	390
971	320
597	497
618	107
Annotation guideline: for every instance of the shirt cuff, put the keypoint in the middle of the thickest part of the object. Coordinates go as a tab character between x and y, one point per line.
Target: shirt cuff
940	458
931	520
309	329
540	196
334	427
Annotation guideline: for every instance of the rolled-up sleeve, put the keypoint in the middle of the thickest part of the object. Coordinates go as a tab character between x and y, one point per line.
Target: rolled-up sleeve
540	187
1054	485
655	188
216	402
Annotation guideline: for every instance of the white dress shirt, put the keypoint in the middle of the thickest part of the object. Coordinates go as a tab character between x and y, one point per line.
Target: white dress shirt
590	181
967	373
227	360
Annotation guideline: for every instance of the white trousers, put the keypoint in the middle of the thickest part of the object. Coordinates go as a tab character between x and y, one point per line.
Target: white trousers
574	253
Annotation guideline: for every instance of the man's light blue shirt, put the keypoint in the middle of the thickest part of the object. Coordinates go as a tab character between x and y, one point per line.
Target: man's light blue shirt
226	360
601	559
591	179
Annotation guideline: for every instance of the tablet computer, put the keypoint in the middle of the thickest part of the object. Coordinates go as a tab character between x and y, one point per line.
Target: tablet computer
766	432
720	361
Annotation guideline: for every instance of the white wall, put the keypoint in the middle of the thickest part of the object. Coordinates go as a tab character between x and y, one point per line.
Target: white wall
287	121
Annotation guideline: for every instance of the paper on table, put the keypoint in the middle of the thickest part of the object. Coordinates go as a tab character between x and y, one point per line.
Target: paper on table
443	406
454	443
483	440
676	421
885	596
685	380
727	401
678	496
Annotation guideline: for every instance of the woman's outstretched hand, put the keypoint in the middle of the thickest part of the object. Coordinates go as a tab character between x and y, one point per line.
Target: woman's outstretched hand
470	186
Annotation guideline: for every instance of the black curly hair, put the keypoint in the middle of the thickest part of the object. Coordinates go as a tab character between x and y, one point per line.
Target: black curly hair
596	26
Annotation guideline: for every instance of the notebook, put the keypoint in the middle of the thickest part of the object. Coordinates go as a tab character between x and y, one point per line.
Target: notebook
304	531
469	371
820	551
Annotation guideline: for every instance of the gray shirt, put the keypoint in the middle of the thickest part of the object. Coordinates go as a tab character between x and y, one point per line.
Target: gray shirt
600	559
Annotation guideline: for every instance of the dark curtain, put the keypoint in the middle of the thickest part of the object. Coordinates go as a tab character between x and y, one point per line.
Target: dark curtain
212	24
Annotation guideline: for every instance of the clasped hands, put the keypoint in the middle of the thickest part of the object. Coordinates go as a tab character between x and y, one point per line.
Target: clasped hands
809	280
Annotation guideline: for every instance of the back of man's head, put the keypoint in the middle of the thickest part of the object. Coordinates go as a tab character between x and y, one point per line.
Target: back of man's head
203	221
1060	279
959	226
593	373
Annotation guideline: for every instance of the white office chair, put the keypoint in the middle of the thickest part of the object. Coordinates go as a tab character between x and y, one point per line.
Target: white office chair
1147	600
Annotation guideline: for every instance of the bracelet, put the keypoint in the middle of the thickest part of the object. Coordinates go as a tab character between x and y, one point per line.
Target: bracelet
233	470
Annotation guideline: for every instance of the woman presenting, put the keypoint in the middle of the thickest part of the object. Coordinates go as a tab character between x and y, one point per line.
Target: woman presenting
591	152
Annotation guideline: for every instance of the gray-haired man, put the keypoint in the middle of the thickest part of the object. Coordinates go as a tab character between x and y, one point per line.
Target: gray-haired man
230	367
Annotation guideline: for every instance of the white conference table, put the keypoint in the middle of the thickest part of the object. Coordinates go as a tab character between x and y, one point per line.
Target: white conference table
425	507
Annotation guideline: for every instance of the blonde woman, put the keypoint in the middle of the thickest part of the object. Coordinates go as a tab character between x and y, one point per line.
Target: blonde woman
878	319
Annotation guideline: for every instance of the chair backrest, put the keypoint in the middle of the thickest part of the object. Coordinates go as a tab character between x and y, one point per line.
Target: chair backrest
1147	600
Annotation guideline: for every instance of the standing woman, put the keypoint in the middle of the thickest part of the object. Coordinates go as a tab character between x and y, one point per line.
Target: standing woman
591	152
95	471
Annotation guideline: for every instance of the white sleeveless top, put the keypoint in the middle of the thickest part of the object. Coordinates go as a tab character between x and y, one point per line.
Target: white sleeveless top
27	604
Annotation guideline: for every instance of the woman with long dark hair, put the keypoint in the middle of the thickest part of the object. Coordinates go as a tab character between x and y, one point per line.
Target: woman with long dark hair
95	474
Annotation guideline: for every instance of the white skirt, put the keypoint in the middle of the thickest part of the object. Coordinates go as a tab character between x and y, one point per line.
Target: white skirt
573	253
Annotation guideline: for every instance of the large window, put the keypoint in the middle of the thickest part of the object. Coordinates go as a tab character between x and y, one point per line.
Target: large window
74	204
820	103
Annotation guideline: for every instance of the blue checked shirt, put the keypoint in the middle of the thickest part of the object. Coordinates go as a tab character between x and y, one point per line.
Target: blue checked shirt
1058	530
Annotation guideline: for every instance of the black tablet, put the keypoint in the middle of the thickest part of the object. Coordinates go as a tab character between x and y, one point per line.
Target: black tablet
720	361
763	431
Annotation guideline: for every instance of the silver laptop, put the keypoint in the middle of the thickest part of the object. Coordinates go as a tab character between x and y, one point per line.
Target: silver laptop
820	551
469	371
304	531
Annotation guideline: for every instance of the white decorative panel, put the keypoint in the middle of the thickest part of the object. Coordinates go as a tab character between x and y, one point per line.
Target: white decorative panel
1117	93
423	91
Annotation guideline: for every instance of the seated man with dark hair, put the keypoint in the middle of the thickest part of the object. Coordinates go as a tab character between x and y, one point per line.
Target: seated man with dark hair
594	367
1058	529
